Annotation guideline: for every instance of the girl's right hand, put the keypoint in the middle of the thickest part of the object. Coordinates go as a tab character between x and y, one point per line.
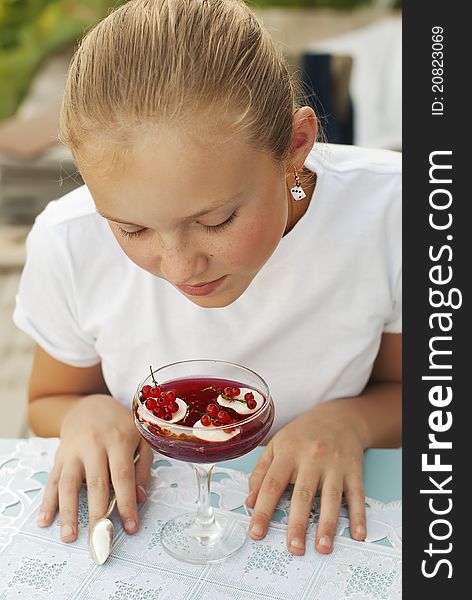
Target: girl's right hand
98	443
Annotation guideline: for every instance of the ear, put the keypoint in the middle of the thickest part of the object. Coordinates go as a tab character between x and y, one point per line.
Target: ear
305	128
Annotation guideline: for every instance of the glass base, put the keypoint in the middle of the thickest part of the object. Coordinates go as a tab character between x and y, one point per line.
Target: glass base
185	539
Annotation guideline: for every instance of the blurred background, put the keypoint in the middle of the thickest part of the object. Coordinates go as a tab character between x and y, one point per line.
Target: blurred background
346	52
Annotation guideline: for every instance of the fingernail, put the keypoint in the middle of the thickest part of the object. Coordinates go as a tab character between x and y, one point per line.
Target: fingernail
130	525
42	518
249	496
360	530
143	493
257	529
67	530
298	543
325	541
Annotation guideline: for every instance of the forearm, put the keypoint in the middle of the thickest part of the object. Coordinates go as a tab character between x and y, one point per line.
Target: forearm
47	414
376	414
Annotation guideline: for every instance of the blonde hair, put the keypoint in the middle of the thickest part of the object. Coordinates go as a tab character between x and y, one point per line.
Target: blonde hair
171	62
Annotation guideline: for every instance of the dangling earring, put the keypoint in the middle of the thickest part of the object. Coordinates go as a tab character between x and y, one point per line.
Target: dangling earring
297	191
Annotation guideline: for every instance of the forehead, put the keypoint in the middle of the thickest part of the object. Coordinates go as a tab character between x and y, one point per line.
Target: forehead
168	175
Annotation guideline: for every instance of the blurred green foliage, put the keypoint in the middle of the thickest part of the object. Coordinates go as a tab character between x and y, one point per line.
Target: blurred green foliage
31	30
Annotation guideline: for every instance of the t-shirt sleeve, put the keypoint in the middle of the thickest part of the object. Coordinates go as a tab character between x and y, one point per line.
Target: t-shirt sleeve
45	306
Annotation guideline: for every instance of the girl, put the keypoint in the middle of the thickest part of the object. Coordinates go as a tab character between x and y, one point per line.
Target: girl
187	242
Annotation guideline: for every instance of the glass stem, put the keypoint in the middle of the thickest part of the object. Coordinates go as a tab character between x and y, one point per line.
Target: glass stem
205	528
205	514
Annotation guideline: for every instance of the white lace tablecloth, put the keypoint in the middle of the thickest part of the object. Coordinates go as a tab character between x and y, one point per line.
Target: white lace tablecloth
35	564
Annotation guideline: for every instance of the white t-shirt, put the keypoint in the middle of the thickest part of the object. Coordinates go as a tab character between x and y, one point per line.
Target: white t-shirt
310	323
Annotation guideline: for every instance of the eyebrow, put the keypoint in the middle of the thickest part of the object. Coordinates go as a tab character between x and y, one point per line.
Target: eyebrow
194	216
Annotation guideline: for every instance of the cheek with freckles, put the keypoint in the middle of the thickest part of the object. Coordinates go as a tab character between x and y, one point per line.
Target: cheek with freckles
250	244
258	235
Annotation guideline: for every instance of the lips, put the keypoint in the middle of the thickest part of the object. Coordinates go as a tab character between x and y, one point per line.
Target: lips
203	289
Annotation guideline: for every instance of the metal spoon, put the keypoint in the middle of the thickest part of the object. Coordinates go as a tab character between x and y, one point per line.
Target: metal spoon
101	534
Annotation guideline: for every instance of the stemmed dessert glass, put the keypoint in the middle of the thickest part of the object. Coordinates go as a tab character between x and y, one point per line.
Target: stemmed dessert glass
173	413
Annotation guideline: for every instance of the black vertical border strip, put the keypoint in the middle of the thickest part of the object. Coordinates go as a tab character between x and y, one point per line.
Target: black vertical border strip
424	133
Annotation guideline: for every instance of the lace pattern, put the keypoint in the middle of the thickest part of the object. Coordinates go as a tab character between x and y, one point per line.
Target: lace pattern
34	563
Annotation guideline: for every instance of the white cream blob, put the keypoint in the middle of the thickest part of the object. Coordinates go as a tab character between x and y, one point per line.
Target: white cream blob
177	416
211	433
241	407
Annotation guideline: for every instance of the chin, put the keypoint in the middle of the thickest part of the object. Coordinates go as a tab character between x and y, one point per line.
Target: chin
213	301
221	300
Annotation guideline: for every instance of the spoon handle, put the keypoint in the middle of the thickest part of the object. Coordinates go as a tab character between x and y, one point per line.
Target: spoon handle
112	504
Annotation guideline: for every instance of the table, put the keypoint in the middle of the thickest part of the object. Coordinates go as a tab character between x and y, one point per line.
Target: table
35	563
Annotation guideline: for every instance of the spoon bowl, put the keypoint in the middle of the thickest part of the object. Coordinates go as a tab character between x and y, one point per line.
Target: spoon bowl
102	533
101	539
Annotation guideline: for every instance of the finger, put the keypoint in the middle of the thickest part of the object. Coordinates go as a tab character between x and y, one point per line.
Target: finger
331	496
97	477
143	470
70	482
257	476
50	502
355	497
272	487
301	504
124	483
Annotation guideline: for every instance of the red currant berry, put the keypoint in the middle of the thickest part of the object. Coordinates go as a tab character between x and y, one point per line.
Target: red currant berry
167	416
170	396
251	403
173	407
249	396
146	391
228	391
154	391
212	410
223	416
205	420
159	412
235	392
151	404
162	401
230	429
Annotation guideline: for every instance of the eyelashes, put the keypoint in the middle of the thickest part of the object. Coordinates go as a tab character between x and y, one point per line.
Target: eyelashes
221	226
130	234
207	228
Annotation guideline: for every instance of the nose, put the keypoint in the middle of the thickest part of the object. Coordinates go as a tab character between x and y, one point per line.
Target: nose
181	264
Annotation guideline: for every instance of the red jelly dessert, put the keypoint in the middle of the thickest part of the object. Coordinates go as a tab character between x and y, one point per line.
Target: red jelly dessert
202	420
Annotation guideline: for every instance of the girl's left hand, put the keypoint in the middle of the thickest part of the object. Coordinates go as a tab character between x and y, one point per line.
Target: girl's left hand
319	450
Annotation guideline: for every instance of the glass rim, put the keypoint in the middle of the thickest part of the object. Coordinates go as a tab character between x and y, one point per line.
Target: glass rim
168	424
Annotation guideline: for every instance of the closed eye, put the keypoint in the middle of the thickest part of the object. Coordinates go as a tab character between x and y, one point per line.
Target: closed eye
209	228
130	234
220	226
